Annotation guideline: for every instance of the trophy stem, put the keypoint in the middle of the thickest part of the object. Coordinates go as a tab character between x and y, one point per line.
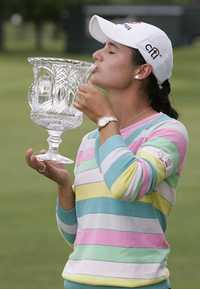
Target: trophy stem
54	141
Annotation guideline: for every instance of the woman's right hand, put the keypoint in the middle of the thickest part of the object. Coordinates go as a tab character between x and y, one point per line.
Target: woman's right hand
51	169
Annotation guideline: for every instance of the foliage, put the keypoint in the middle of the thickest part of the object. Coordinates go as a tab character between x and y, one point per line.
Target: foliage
50	9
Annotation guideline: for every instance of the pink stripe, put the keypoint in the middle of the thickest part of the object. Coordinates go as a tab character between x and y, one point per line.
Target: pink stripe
85	155
128	130
136	144
175	137
120	239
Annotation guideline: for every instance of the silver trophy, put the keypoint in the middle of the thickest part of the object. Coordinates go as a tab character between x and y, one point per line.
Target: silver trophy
51	97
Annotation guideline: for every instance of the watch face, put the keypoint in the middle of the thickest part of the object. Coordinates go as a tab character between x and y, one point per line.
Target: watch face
103	121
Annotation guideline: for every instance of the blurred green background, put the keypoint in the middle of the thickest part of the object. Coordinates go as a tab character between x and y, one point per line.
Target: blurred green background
32	253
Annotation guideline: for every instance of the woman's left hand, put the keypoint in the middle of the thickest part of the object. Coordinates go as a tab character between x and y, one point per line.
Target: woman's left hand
92	102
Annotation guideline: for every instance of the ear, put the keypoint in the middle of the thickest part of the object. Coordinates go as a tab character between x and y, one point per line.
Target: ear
143	71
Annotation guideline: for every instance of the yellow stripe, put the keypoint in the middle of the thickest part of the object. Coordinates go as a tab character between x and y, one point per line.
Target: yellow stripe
158	202
156	163
94	280
121	184
93	190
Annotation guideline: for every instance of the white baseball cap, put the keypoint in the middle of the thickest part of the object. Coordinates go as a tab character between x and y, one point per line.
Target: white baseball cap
152	42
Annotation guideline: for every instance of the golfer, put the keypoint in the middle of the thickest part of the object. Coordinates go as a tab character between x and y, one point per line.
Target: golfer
114	213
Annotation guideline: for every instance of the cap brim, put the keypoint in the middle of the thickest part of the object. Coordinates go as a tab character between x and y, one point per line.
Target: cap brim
102	29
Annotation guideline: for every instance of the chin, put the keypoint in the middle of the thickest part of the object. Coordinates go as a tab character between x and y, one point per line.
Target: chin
94	80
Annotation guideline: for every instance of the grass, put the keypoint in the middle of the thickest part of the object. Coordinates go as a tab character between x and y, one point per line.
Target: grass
32	252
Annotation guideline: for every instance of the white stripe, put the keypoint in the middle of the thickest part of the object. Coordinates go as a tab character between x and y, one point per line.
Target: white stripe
175	125
70	229
88	143
112	157
167	192
91	176
118	270
119	223
131	192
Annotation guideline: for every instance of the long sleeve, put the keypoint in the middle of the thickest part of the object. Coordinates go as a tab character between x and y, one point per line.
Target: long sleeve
67	219
130	175
67	223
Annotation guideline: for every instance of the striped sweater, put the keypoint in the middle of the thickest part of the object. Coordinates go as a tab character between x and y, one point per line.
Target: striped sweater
124	189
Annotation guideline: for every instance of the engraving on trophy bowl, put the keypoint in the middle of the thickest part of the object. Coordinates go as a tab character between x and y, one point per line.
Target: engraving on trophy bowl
51	97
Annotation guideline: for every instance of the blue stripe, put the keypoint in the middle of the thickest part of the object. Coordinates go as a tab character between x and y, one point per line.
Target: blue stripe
68	237
112	143
103	205
66	216
118	167
129	140
162	219
93	134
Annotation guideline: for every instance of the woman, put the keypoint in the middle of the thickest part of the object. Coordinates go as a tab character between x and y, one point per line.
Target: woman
114	215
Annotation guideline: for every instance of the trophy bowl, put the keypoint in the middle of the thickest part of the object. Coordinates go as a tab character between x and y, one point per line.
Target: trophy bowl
51	97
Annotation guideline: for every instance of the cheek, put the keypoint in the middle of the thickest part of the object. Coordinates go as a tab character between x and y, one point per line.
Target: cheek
121	75
112	78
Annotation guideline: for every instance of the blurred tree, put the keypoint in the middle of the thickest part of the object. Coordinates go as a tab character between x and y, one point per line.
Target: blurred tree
155	2
74	23
37	12
3	14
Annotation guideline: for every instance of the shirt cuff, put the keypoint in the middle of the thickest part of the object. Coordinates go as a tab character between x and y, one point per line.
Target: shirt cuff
67	216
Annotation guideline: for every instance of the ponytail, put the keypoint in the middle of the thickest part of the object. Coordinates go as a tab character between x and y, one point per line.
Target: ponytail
158	96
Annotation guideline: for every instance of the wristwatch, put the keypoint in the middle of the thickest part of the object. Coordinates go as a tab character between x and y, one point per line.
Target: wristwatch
104	120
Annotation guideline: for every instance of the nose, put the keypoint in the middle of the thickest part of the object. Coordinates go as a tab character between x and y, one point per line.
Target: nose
98	55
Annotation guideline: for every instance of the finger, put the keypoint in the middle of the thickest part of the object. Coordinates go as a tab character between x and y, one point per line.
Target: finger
37	165
80	102
54	164
28	155
42	169
90	87
52	170
83	87
81	95
34	162
77	105
43	151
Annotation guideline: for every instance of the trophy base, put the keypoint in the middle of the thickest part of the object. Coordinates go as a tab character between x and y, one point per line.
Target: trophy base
54	157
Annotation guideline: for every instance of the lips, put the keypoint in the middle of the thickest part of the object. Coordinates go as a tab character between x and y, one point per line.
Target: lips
95	68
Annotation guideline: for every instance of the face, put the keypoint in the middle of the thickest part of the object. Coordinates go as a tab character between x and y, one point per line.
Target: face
114	66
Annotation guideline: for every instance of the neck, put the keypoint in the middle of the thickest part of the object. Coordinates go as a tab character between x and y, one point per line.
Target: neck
129	106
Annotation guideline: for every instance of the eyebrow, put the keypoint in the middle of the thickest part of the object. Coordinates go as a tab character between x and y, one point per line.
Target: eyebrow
111	44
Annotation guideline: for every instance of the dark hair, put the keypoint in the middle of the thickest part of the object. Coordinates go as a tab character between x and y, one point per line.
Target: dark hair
158	96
